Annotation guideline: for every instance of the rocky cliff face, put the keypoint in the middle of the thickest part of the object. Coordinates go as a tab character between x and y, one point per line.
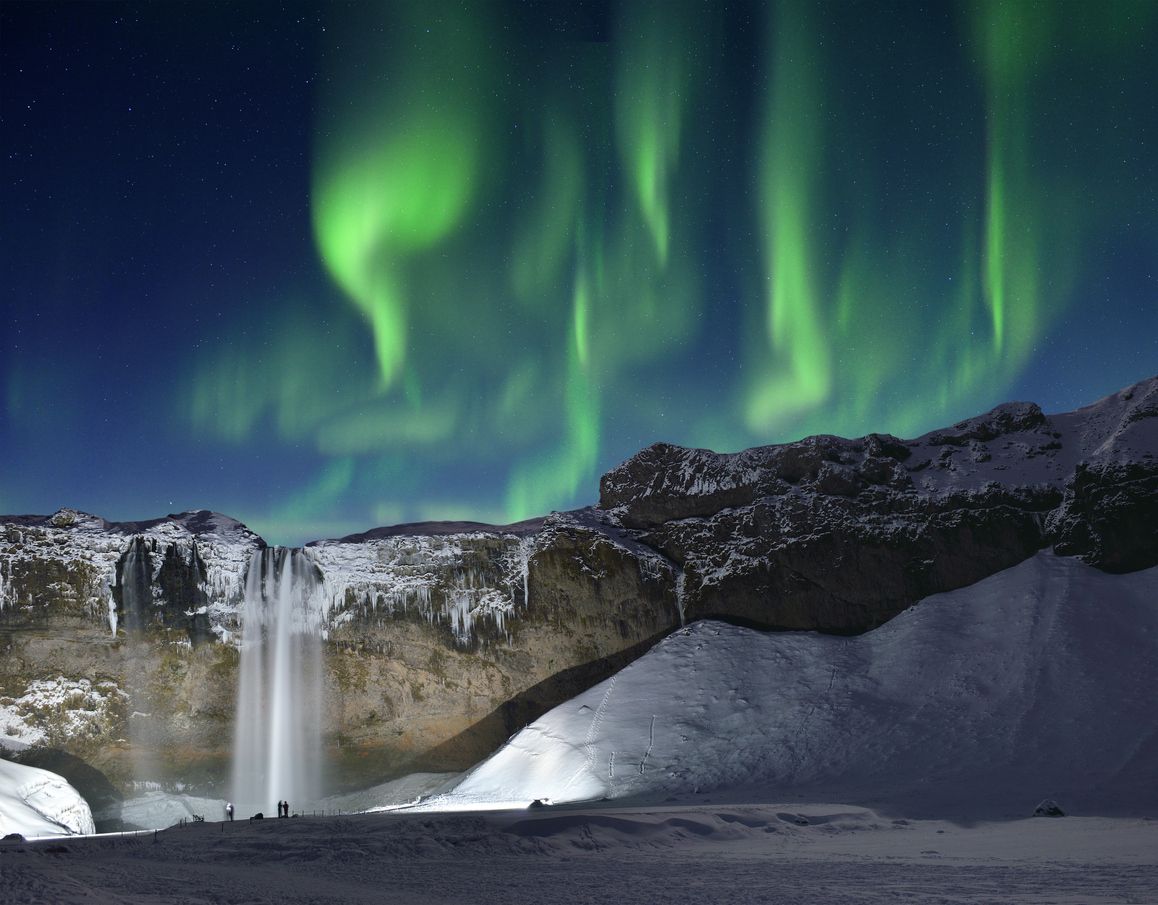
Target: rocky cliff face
841	535
119	640
111	643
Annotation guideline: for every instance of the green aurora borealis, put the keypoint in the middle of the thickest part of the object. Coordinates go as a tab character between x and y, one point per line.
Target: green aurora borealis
521	240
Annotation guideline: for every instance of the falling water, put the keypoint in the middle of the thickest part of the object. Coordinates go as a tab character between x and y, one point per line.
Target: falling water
135	579
135	583
277	738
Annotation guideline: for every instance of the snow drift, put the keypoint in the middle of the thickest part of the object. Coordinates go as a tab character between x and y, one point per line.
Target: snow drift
1036	682
36	802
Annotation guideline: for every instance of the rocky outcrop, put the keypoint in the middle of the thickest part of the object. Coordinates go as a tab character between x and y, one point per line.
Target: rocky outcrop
119	640
841	535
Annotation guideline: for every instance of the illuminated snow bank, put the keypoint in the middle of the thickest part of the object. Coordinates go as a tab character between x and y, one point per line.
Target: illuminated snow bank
35	802
1036	682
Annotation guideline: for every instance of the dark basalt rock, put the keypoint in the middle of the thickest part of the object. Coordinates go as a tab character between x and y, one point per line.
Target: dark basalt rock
180	599
841	535
1013	417
1109	516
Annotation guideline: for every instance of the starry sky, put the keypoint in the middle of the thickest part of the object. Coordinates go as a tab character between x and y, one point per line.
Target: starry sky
328	266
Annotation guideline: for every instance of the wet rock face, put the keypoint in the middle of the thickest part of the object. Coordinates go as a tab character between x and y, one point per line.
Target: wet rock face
103	631
162	586
442	646
123	648
844	564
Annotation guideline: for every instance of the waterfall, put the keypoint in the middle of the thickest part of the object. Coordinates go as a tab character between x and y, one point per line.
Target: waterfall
135	577
278	731
134	574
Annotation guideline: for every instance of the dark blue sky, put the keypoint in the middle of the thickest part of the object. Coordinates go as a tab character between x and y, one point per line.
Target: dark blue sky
329	266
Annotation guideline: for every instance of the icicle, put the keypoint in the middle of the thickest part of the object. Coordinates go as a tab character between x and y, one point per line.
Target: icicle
679	592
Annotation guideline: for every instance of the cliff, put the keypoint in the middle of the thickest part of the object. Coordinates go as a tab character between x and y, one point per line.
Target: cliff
120	639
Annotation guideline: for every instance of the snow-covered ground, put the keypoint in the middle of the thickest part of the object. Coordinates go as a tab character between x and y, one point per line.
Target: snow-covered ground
706	853
1037	682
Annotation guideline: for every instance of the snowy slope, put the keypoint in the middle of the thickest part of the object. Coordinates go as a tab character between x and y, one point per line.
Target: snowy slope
1037	682
39	803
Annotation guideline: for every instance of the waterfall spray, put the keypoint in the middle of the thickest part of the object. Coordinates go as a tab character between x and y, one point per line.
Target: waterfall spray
278	732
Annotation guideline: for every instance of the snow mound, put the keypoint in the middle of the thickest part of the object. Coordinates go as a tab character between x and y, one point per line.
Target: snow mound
1036	682
35	802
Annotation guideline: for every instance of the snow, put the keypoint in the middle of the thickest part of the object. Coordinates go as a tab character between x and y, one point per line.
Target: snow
159	809
163	809
1035	683
705	854
35	802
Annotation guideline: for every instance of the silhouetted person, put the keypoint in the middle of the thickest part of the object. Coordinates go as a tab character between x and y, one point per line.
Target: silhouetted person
229	809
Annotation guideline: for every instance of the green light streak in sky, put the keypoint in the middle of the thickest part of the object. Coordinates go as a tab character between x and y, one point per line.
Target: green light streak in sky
1013	37
794	368
579	322
544	240
527	246
539	482
398	172
379	425
317	499
293	375
653	82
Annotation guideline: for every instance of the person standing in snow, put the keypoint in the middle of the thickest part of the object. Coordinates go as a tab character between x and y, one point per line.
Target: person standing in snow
229	809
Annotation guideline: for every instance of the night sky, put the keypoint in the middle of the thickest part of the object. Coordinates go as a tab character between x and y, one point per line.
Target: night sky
330	266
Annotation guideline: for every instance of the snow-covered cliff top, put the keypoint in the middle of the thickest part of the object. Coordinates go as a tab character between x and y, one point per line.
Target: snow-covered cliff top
1015	444
89	545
